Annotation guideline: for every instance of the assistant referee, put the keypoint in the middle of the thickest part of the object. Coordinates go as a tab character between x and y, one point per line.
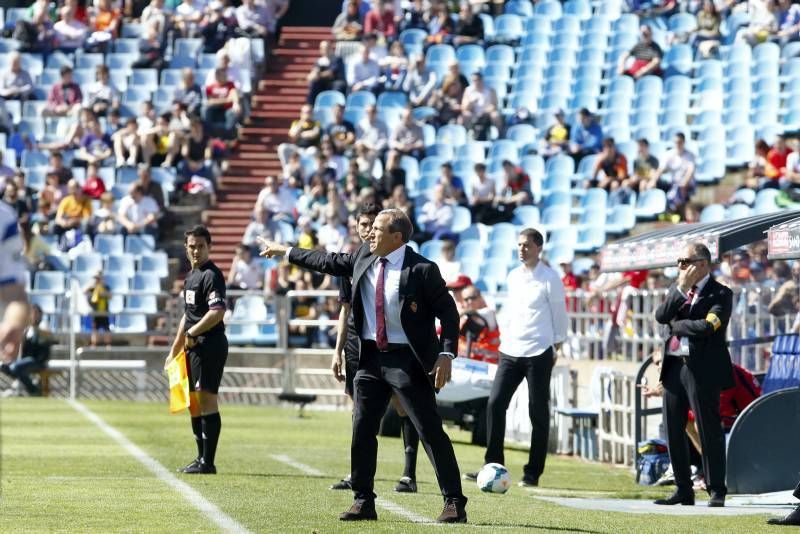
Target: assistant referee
202	334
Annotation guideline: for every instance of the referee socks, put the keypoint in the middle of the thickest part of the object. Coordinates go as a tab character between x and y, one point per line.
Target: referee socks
197	430
212	424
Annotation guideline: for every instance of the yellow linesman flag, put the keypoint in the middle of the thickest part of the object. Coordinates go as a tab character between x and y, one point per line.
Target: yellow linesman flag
179	398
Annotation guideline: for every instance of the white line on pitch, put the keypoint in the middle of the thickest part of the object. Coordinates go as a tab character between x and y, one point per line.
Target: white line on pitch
194	498
383	503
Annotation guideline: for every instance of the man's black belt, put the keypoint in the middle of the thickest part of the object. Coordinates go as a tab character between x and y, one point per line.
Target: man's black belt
391	347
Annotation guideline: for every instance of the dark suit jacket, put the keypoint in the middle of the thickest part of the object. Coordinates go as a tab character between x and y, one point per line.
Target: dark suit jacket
709	359
423	297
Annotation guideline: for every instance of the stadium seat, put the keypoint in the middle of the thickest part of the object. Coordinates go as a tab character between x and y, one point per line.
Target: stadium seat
88	263
146	283
508	27
242	333
651	204
117	283
432	249
139	244
49	282
328	99
462	218
469	250
621	220
123	264
713	213
520	8
249	308
130	323
141	304
109	244
526	216
554	217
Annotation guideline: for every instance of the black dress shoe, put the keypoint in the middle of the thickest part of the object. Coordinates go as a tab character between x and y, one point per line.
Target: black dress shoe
716	500
684	498
406	485
360	510
472	475
453	512
528	482
793	519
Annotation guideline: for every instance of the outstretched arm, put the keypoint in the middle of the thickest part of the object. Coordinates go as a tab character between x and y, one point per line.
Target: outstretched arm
334	264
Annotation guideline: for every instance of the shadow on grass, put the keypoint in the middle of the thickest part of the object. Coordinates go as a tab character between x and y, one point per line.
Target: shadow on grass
534	526
315	477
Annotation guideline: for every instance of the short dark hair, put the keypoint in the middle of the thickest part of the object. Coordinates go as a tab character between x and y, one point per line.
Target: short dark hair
399	222
532	233
680	136
701	251
643	141
368	209
66	69
197	231
446	165
480	167
608	142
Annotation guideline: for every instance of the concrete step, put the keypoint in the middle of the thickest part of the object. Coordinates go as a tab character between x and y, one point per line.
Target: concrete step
254	181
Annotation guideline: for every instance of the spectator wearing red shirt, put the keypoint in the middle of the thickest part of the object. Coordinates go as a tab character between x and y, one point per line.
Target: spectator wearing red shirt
380	20
65	97
776	161
517	190
94	186
571	283
222	106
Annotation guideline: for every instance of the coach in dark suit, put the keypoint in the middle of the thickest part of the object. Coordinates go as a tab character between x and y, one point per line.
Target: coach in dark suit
397	295
696	367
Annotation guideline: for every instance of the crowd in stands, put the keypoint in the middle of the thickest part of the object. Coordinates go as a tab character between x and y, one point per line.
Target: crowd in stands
110	112
577	117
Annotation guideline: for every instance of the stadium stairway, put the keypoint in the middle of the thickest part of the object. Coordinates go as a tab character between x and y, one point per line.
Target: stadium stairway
276	103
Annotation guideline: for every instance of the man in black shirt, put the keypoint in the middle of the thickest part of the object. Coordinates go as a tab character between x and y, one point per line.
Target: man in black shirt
327	74
646	56
347	343
202	335
469	28
341	132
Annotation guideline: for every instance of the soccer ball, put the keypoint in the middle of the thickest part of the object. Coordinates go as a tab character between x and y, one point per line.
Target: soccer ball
494	478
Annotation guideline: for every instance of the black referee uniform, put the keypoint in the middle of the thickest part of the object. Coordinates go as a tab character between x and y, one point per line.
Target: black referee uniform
203	290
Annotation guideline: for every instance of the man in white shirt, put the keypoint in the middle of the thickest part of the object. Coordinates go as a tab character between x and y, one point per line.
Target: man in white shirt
277	200
676	173
532	327
138	213
437	214
372	132
362	75
332	234
70	32
16	82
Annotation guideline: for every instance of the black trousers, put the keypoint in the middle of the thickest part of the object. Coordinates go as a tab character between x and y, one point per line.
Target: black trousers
510	372
378	375
682	392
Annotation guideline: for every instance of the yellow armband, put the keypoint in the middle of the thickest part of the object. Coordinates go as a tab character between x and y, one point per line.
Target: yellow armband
714	320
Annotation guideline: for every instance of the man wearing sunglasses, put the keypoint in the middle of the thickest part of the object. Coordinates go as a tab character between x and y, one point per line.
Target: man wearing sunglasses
697	366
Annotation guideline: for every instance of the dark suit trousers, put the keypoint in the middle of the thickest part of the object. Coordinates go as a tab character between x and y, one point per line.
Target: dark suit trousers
682	392
378	375
510	373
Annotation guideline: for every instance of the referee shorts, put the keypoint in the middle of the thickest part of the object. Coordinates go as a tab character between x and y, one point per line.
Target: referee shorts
207	362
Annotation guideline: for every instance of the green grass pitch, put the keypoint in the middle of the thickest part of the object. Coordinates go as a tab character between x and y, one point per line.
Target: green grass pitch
61	473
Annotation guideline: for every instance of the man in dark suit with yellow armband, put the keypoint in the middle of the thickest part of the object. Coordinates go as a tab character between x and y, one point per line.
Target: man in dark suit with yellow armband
397	297
696	367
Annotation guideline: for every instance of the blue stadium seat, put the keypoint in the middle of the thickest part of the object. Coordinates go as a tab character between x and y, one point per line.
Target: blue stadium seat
440	150
712	213
594	199
555	217
469	250
123	264
109	244
146	78
432	249
117	284
393	99
49	282
500	54
360	99
156	263
737	211
413	40
146	283
187	47
47	302
328	99
462	218
562	237
495	267
32	158
88	263
508	28
621	220
591	239
520	8
130	323
710	170
250	308
559	255
141	304
580	8
526	216
140	244
472	151
440	53
453	134
651	204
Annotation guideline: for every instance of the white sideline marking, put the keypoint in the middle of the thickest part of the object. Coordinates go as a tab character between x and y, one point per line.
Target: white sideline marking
194	498
383	503
307	469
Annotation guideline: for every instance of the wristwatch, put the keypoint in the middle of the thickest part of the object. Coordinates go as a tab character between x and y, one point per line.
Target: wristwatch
448	354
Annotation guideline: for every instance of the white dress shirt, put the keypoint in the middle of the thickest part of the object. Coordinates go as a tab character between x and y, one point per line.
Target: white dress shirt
391	297
538	320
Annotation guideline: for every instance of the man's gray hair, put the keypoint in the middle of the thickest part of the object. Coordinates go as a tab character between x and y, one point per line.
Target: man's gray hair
399	222
701	251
